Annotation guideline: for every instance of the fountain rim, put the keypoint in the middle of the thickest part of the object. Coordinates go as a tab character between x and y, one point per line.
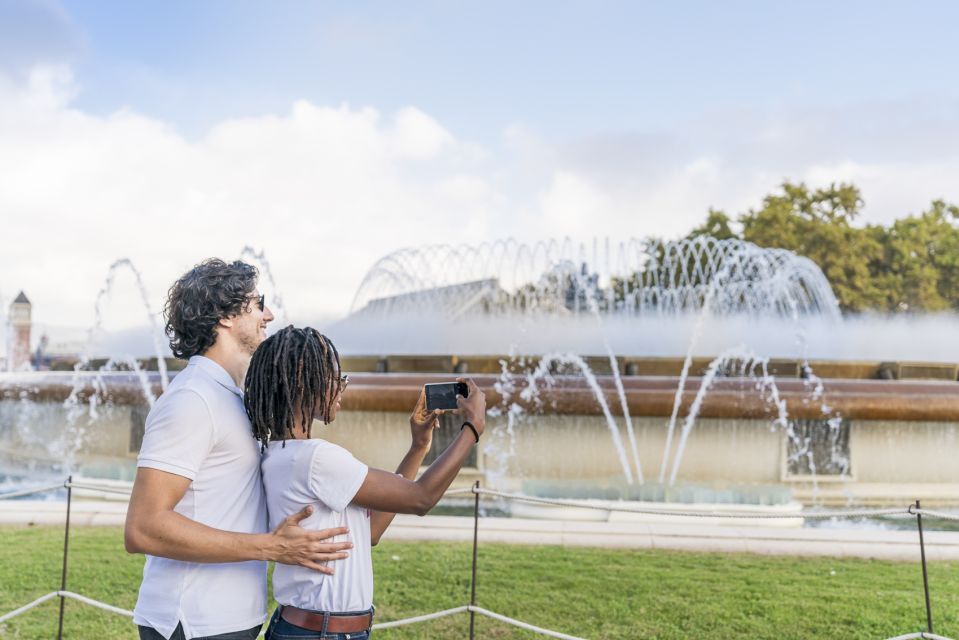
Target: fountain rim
646	396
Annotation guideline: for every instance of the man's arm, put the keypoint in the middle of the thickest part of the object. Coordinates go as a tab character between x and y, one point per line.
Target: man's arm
153	527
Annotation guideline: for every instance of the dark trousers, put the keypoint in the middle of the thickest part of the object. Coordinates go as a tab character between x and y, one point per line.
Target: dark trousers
149	633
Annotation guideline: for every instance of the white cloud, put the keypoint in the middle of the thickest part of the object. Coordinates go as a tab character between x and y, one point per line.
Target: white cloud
417	135
326	190
570	205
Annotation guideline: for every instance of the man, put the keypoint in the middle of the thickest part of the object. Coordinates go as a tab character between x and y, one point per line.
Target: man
197	508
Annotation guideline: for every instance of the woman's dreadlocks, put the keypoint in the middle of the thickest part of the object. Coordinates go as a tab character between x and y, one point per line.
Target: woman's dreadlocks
291	373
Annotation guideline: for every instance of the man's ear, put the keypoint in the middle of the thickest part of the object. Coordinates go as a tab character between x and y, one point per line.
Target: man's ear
225	322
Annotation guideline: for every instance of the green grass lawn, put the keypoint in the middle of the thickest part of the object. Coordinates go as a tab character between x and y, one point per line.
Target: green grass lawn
594	593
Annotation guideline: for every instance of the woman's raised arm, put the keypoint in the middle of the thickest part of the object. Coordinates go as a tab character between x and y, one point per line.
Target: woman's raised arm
388	493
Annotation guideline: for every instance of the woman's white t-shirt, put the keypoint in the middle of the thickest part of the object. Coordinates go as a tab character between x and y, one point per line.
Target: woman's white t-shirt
297	473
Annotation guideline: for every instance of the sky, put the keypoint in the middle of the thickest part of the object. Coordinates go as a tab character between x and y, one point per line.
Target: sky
327	135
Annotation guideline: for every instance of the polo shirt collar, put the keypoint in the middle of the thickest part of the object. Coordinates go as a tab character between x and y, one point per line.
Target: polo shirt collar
216	372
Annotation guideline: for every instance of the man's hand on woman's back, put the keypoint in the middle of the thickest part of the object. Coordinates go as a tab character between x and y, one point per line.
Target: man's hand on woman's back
154	527
292	544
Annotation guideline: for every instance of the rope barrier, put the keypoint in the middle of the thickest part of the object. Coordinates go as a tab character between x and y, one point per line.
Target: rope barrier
423	618
381	625
30	492
580	504
29	606
822	515
126	492
97	487
66	594
384	625
522	625
910	511
935	514
458	492
96	603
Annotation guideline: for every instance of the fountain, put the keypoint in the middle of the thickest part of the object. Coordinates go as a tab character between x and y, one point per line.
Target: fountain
554	302
702	359
551	281
636	278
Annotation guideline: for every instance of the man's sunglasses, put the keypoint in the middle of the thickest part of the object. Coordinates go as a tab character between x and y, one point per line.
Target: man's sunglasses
261	302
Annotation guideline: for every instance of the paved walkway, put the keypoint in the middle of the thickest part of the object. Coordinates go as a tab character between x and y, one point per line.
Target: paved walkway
846	543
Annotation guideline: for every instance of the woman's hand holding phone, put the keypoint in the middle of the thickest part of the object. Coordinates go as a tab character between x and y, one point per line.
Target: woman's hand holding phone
422	423
473	407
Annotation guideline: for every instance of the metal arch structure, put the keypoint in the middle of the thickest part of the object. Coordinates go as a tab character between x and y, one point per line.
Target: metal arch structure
635	276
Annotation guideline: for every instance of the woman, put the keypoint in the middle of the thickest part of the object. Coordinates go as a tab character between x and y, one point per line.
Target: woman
294	378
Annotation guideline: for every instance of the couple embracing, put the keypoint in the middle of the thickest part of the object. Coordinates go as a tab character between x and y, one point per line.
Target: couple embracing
229	477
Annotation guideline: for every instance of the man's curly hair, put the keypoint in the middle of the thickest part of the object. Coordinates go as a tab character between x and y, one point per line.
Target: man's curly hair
205	294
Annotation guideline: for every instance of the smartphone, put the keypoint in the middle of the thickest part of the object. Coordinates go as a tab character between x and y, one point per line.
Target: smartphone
442	395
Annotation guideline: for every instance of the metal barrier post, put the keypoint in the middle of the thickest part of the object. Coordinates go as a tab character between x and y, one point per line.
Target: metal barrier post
925	574
66	547
475	539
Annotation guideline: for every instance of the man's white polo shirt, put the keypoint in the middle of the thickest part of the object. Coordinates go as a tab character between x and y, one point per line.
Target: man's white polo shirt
199	429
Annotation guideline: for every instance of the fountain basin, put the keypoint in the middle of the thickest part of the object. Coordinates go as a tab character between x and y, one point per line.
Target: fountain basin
901	435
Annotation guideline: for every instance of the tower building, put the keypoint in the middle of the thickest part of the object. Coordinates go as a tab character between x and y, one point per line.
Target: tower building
20	323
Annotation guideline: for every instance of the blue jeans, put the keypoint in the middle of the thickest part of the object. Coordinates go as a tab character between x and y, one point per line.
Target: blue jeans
149	633
280	629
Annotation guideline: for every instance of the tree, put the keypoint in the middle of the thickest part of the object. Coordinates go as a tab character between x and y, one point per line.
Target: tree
817	224
912	265
920	267
717	225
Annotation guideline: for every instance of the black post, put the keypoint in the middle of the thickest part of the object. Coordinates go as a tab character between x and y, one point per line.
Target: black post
66	547
925	575
475	538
